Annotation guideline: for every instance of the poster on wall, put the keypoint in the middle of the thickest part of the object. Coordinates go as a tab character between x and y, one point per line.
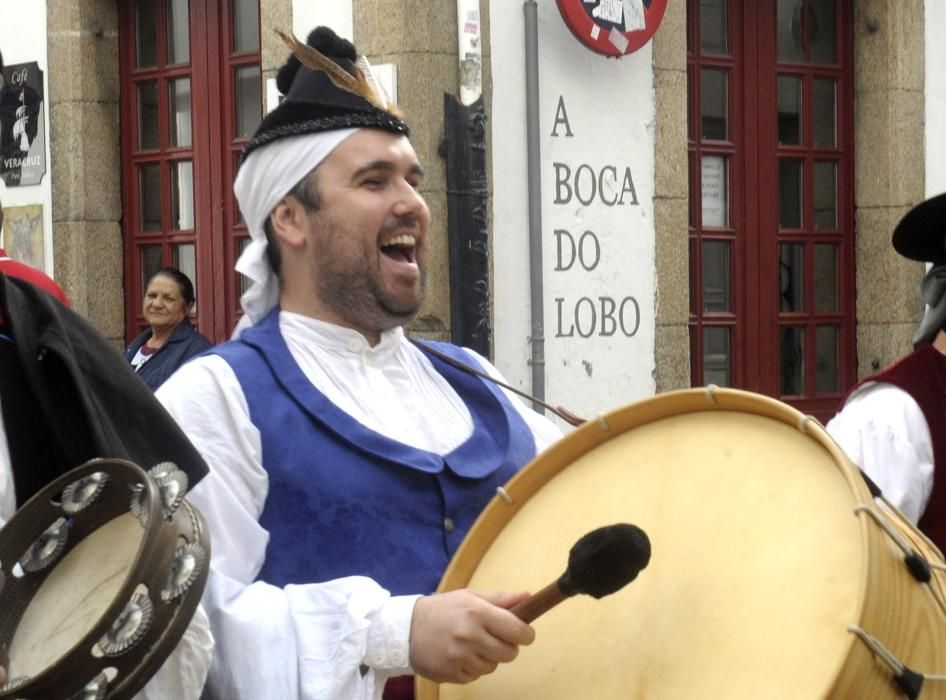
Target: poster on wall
22	126
23	234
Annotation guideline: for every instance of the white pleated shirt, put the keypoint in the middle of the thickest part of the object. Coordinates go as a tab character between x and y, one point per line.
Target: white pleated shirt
314	640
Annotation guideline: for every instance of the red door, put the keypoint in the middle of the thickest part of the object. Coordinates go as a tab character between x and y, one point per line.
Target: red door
191	96
772	201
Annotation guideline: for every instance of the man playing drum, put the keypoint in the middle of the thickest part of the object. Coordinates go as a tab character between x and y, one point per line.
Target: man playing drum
889	423
348	463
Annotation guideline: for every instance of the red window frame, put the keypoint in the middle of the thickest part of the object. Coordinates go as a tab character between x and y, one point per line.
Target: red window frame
214	151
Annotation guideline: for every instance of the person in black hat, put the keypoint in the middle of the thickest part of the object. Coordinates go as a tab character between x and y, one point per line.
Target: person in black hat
890	423
347	462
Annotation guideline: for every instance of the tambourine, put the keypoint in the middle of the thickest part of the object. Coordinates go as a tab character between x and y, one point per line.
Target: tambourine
100	574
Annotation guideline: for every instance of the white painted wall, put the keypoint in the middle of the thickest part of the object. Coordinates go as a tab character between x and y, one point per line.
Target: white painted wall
935	97
611	114
23	40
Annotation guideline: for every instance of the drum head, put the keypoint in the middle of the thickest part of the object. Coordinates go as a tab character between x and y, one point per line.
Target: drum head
69	602
757	567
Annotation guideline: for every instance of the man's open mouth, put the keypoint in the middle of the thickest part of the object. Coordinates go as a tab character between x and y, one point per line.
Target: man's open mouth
400	248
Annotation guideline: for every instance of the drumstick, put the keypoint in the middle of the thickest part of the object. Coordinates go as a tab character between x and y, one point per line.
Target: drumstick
600	563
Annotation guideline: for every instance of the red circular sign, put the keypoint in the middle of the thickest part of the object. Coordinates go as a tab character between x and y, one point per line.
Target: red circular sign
612	27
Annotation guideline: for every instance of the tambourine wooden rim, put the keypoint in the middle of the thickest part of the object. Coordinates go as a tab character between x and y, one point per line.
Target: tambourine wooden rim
522	487
154	603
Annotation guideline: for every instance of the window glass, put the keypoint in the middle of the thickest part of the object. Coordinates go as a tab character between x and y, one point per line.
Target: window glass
248	100
713	26
789	190
826	195
825	115
792	360
716	285
146	34
151	261
789	30
179	108
791	273
184	258
827	365
182	195
822	29
179	49
148	134
149	197
713	109
717	359
245	25
789	110
826	277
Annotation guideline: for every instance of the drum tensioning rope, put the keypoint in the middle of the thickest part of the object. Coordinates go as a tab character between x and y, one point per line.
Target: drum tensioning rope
909	682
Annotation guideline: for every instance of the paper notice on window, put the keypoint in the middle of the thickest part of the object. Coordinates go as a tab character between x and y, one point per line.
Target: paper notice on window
714	192
609	11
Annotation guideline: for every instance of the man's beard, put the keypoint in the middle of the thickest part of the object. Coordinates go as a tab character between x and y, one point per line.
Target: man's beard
357	296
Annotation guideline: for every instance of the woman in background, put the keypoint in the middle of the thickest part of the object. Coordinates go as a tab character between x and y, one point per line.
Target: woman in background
170	340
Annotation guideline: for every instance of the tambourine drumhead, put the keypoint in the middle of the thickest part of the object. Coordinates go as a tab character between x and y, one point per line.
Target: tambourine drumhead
100	574
71	600
759	562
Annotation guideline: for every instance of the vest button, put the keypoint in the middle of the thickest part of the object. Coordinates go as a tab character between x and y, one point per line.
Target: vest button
449	525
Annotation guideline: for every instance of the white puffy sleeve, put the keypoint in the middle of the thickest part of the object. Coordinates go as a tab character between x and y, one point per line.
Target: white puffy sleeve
334	639
884	432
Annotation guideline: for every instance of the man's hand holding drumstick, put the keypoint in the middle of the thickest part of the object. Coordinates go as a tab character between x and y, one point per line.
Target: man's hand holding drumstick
457	637
484	630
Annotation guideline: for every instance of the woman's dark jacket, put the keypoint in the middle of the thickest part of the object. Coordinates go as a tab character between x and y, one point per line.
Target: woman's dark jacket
68	396
185	342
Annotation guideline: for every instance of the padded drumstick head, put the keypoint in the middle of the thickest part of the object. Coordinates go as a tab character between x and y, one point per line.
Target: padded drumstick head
605	560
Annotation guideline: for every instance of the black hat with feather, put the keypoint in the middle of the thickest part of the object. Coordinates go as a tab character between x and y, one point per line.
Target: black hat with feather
326	87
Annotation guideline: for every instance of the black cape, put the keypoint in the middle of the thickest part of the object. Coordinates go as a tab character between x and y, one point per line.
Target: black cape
68	396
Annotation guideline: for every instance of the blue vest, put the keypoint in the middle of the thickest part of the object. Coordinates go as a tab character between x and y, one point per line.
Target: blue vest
345	500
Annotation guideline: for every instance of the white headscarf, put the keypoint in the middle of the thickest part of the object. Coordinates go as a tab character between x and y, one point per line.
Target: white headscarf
265	177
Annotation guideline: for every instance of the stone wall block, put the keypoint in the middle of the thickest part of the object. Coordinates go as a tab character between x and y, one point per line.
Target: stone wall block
671	175
83	66
880	345
88	254
889	148
886	281
889	44
85	148
406	26
670	49
274	14
673	269
422	80
672	358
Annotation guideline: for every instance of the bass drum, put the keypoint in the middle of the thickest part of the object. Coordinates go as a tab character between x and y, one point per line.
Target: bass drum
773	573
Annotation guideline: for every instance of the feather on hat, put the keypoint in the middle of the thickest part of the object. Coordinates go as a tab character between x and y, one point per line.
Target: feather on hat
326	87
